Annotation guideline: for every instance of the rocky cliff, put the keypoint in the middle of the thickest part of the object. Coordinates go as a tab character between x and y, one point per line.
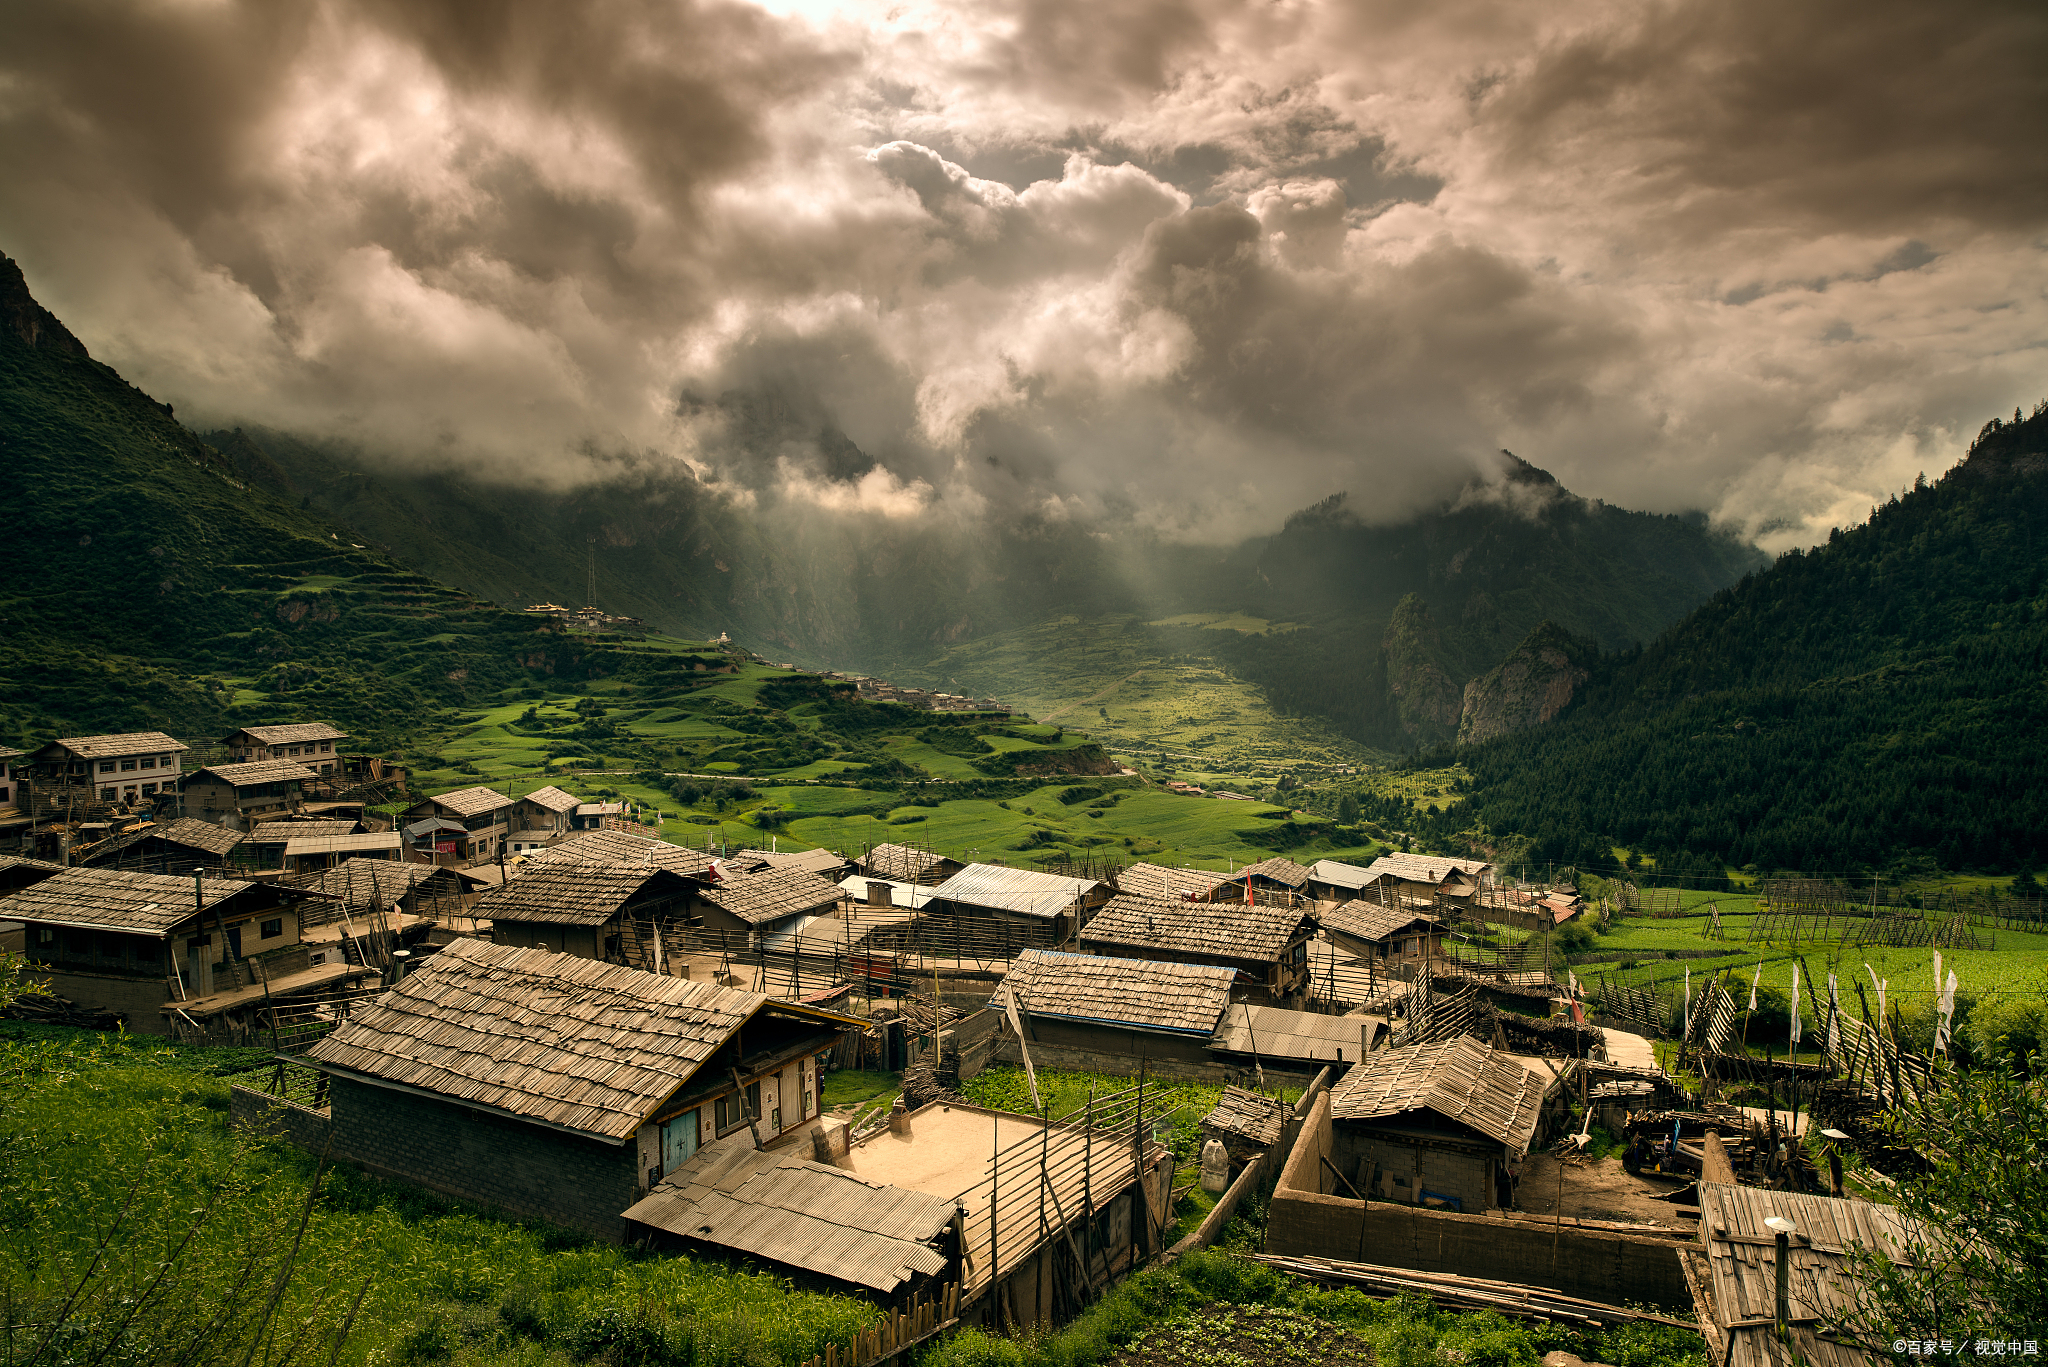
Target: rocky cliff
1533	684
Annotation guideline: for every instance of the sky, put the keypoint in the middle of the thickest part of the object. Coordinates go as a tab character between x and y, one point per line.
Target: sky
1181	263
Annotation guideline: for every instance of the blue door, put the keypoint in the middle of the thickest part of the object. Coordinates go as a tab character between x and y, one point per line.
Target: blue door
678	1141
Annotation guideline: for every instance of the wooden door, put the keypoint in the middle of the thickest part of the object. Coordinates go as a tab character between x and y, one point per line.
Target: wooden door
678	1141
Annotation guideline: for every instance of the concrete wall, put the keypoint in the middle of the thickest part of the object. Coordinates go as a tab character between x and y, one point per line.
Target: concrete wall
1409	1168
527	1171
1598	1264
269	1115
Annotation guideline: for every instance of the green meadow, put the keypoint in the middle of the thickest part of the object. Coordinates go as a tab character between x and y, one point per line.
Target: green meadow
1183	715
768	773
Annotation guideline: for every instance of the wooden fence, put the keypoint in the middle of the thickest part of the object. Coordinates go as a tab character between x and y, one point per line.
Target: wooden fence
902	1330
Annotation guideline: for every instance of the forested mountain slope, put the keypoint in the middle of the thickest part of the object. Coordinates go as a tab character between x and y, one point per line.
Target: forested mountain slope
1878	698
1394	619
152	586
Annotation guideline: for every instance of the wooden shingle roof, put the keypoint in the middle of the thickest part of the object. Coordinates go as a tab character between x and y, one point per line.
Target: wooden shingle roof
1740	1281
1278	869
574	894
359	882
1025	891
118	900
785	1208
1219	930
1423	868
291	733
258	771
1138	994
1371	922
113	747
1248	1115
188	831
900	863
773	895
1460	1079
471	801
584	1046
275	832
622	848
1156	880
552	799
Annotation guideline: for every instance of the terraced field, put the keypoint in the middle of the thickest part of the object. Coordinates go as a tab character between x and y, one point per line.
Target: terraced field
1183	715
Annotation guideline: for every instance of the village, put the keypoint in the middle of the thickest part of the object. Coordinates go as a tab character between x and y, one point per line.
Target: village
534	1005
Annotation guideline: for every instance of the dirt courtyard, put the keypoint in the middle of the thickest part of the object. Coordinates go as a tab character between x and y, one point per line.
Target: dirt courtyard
1601	1190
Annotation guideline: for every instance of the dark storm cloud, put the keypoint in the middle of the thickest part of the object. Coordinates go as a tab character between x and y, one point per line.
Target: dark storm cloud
1184	263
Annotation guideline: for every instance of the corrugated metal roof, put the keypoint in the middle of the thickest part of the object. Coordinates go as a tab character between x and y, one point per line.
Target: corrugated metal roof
583	1045
258	771
1137	994
1741	1270
1460	1079
1026	891
433	823
1274	1032
1217	930
1340	875
113	747
901	895
116	899
788	1209
292	733
470	801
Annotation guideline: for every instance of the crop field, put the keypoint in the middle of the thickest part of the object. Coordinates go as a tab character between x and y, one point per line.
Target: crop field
2016	968
1180	714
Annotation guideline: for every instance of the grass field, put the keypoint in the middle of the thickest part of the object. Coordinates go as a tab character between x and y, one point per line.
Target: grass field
2016	969
1184	715
108	1139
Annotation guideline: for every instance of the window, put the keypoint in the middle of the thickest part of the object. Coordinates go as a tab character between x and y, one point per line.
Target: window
107	765
293	751
106	794
326	747
726	1112
271	929
149	761
149	790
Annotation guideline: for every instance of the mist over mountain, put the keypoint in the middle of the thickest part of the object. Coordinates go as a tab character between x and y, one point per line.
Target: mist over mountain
1390	622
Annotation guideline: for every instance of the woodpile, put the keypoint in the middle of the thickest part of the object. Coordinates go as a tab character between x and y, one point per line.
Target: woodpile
46	1009
1452	1292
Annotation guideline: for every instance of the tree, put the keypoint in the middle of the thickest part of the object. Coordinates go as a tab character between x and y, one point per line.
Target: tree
1978	1251
1347	809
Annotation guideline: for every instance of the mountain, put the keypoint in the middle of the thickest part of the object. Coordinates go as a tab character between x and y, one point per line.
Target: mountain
154	586
1877	698
1394	621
